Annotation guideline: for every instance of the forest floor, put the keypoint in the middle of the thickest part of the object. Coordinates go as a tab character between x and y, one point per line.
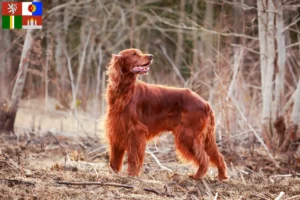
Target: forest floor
44	165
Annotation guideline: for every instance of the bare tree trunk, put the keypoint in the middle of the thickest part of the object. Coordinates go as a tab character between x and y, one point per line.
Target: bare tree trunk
207	39
48	54
238	55
269	73
237	51
295	120
262	32
279	123
98	82
179	50
133	24
7	116
60	61
5	62
195	64
103	102
81	66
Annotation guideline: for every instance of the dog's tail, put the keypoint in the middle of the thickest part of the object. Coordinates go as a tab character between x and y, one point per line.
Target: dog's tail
211	125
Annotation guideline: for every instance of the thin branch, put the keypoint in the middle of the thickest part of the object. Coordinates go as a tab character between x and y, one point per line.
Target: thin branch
247	48
172	64
279	196
151	189
238	59
17	181
201	28
95	183
292	45
108	184
158	162
210	194
241	5
80	124
257	174
290	25
291	7
293	197
49	132
255	132
81	66
70	73
216	196
12	163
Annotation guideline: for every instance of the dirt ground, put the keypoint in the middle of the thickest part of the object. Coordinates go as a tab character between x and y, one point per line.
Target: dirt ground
44	168
56	163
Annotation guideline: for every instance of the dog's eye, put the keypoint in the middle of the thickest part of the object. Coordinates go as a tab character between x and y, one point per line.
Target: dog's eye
134	54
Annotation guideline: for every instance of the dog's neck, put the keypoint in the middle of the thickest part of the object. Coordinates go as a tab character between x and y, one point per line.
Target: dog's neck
121	92
123	85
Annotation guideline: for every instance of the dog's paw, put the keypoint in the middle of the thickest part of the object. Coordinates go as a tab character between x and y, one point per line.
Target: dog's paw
223	177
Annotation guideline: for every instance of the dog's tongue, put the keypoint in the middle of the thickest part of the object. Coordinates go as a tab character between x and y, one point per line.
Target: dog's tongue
141	69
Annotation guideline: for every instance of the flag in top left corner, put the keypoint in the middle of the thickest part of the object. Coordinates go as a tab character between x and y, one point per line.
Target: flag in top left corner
11	8
22	15
11	15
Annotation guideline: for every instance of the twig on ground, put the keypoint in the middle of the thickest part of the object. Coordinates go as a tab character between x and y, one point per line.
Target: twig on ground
279	196
98	155
216	196
199	191
81	145
108	184
16	181
242	177
293	197
56	140
255	133
158	162
167	192
96	150
96	172
255	173
207	188
10	162
150	188
281	175
95	183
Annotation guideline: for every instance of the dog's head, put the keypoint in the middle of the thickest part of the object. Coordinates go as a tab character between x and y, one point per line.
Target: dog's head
134	61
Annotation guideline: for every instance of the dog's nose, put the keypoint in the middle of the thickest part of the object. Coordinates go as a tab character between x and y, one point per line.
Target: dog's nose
150	56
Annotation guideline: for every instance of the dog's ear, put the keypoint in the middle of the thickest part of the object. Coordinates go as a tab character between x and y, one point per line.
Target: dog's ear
114	70
114	61
116	56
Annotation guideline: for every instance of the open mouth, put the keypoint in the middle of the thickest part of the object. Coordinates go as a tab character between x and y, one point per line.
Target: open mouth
143	69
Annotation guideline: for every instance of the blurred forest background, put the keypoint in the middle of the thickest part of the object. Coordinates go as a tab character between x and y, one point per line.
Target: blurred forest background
243	56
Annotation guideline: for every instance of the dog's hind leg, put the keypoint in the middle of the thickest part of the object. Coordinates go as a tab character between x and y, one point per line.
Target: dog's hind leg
217	159
212	150
191	148
202	159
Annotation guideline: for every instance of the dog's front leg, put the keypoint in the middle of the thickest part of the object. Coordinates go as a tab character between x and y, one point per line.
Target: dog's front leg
116	156
136	150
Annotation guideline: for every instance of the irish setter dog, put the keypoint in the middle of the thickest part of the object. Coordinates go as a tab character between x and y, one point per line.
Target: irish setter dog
138	111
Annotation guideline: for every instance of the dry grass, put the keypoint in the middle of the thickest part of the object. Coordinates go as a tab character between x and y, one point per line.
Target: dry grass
47	158
46	162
